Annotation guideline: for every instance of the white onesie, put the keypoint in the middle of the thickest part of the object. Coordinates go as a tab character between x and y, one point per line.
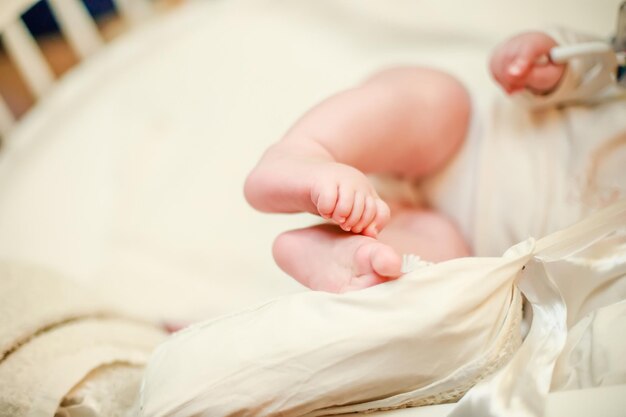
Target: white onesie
536	164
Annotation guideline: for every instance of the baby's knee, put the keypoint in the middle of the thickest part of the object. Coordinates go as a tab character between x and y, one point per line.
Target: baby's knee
445	93
440	91
435	81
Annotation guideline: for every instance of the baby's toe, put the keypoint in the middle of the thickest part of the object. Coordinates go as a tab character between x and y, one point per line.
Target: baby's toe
325	199
356	213
362	282
382	215
369	212
345	201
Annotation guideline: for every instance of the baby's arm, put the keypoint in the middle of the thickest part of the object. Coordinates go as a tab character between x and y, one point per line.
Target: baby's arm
516	65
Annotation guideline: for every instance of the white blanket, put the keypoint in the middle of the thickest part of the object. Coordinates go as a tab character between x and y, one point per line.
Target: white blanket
425	338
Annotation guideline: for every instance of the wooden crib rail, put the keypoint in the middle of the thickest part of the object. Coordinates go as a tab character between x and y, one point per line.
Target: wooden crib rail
76	25
6	118
29	60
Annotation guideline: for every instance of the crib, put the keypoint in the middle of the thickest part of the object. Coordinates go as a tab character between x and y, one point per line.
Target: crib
126	174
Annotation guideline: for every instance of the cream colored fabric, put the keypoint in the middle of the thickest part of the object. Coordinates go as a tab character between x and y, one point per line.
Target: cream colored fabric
109	391
425	338
53	335
33	299
318	351
35	378
521	387
594	352
596	315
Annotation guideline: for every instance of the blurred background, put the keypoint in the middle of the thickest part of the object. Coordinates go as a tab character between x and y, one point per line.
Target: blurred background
43	25
485	17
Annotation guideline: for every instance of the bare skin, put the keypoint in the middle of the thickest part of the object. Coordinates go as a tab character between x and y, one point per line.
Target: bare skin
327	258
513	64
407	122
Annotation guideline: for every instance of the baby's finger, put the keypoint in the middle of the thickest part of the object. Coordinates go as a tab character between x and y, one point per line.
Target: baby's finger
526	60
518	72
544	78
368	215
510	67
519	67
325	199
516	69
357	211
345	201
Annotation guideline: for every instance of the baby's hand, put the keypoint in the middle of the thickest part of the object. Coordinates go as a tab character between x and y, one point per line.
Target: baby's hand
344	195
514	64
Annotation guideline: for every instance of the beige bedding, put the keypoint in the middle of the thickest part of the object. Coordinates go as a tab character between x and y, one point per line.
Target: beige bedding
56	339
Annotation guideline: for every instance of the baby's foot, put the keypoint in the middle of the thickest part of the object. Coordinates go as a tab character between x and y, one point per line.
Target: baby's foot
344	195
324	258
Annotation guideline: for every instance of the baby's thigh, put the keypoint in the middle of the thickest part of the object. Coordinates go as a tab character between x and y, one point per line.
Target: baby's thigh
437	109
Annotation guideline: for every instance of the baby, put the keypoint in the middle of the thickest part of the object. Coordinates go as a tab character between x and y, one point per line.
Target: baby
409	123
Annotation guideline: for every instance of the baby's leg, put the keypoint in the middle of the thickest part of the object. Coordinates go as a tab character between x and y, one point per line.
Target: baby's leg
325	258
407	122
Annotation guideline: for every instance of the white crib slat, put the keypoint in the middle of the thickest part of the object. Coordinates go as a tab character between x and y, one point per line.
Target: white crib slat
133	10
77	25
6	118
27	57
12	9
